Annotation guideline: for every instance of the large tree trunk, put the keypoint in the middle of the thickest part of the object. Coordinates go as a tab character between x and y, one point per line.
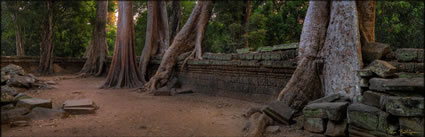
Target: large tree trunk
175	19
367	14
246	20
305	84
46	46
97	50
335	44
189	37
123	72
14	9
157	34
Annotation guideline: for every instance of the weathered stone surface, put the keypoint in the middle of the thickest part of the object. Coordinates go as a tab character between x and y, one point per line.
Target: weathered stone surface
79	106
365	73
375	99
279	111
288	46
397	84
382	68
243	50
20	81
409	75
405	106
364	82
20	123
408	67
20	96
272	129
315	125
278	64
410	55
374	50
14	115
299	122
265	49
412	126
8	90
354	131
363	116
5	97
217	56
39	113
335	128
34	102
387	123
332	111
13	69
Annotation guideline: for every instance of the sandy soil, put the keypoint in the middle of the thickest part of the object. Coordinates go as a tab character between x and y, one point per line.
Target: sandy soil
124	112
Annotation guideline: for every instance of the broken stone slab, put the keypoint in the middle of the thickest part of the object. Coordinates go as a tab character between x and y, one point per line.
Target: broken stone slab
412	126
20	81
397	84
410	55
368	117
315	125
405	106
39	113
374	50
382	68
279	111
79	106
335	128
332	111
272	129
34	102
14	115
13	69
375	99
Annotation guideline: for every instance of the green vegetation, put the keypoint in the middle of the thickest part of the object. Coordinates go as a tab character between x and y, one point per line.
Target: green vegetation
398	23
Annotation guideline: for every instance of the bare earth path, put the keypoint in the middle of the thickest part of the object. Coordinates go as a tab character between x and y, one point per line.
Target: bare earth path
124	112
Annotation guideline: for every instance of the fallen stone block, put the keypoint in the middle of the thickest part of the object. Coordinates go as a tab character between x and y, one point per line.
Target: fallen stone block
13	69
382	68
412	126
80	106
363	116
405	106
40	113
14	115
8	90
410	55
20	81
397	84
408	67
409	75
332	111
354	131
34	102
375	99
20	96
279	111
374	50
335	128
315	125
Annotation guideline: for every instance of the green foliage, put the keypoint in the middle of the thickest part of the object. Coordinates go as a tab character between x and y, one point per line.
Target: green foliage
400	23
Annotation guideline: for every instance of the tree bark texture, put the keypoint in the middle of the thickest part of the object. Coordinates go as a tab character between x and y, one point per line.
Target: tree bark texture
14	9
46	46
329	53
123	72
246	20
157	34
97	51
367	10
175	19
189	37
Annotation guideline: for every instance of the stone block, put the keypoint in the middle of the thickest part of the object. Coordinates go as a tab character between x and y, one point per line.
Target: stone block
409	75
382	68
409	55
397	84
332	111
288	46
40	113
280	112
34	102
354	131
243	50
79	106
257	56
335	128
412	126
275	56
408	67
315	125
365	73
364	82
375	99
374	50
363	116
405	106
265	49
13	114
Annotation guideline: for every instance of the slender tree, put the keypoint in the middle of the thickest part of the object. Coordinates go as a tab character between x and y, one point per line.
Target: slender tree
188	38
157	34
175	19
97	51
123	72
13	7
246	20
46	46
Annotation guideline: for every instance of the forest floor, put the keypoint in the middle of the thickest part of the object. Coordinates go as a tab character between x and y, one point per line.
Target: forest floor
125	112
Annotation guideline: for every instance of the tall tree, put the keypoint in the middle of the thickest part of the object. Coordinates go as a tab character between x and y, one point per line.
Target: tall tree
123	72
97	51
157	34
367	10
175	19
246	20
46	45
13	7
188	38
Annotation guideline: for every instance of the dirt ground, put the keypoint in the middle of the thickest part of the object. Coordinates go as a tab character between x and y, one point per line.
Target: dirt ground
124	112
